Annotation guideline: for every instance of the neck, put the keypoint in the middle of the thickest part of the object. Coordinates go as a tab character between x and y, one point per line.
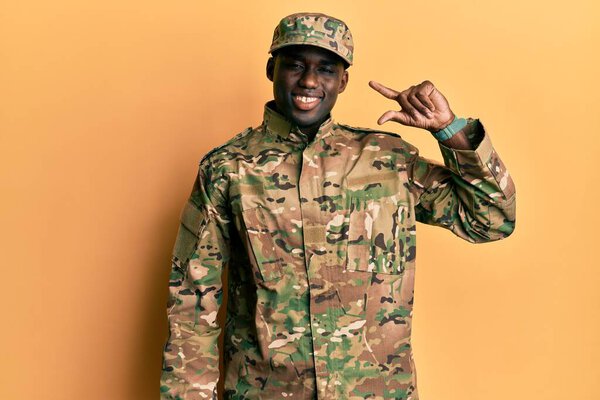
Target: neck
309	130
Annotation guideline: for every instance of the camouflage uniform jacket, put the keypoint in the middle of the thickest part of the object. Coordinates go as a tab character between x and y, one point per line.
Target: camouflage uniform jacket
319	240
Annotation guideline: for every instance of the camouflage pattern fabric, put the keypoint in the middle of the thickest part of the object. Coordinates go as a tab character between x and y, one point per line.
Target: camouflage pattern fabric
316	30
319	238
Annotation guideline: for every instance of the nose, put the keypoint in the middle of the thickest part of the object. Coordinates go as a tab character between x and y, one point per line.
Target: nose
308	79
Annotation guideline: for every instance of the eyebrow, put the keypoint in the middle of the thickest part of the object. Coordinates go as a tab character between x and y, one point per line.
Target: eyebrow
329	62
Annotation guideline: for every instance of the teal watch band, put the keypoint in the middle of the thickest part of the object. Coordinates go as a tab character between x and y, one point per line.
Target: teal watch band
456	125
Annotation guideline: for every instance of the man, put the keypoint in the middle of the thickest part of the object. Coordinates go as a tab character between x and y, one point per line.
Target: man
315	222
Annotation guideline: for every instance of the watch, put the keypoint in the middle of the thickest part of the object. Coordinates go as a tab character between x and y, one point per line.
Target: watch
456	125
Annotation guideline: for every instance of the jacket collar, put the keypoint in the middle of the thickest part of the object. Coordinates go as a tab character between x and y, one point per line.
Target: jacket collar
278	124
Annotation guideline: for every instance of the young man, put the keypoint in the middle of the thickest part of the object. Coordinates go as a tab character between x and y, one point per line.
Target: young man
315	222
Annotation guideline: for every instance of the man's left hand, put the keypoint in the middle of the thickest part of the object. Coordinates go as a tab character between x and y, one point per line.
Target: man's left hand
422	106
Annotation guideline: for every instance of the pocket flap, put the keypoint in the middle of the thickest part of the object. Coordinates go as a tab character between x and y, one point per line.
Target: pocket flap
191	217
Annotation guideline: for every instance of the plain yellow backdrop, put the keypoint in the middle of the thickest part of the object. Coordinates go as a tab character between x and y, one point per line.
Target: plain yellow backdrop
106	107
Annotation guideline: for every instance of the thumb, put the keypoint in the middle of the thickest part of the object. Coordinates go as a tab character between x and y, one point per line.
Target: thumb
392	115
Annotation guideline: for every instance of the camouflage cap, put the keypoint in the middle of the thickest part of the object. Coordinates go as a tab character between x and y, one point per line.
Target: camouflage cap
314	29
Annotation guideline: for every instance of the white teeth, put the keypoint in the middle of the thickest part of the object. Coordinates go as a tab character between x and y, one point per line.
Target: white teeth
305	99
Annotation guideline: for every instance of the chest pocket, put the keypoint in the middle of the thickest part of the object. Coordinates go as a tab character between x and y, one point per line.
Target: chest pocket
381	234
260	226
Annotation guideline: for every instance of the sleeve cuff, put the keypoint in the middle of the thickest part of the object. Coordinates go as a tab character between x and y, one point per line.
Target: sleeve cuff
459	160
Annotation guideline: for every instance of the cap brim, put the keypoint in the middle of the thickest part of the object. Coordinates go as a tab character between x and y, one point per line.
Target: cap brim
274	48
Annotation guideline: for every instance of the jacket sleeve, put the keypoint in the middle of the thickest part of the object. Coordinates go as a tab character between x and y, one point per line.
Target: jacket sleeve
472	195
201	251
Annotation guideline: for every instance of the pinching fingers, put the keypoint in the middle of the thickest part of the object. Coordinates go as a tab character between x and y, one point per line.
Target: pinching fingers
406	105
419	103
424	98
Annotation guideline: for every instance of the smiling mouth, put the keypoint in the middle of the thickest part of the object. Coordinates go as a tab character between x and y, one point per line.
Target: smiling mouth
306	103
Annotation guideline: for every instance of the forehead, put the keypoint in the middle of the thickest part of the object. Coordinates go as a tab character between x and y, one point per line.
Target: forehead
306	52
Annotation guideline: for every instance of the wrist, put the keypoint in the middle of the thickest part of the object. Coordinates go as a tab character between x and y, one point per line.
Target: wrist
449	130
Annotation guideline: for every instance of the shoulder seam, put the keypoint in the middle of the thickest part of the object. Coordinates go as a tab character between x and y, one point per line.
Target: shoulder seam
409	146
228	142
356	128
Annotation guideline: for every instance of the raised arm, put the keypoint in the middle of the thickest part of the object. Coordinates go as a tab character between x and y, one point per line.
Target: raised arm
472	194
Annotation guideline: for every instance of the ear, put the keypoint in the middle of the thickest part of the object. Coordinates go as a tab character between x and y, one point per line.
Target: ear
344	81
270	68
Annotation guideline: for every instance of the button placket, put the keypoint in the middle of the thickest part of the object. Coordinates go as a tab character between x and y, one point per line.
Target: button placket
314	239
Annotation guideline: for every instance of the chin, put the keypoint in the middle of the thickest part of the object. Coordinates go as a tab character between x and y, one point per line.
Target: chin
304	119
301	120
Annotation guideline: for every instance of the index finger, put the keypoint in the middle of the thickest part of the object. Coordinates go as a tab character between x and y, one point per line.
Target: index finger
384	90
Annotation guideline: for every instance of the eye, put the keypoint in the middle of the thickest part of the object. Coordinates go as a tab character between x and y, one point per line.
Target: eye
294	66
327	70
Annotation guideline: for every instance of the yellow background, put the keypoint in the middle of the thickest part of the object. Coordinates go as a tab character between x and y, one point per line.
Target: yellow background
107	106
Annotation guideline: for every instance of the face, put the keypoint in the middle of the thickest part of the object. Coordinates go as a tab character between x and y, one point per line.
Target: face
306	83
